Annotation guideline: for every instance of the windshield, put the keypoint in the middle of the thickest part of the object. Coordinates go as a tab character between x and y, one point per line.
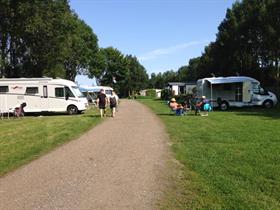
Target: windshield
77	92
257	89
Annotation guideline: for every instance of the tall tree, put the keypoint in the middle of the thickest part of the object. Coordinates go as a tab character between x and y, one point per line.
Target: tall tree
43	38
116	69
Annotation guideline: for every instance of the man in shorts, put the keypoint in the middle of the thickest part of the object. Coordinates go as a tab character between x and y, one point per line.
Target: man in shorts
102	102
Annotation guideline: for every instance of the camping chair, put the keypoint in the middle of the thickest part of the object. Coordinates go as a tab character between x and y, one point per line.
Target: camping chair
206	109
19	111
178	112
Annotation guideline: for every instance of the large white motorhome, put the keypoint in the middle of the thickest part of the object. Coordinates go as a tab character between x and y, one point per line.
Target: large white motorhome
235	91
41	95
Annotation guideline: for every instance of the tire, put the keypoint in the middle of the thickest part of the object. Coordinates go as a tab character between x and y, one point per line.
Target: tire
72	109
224	106
268	104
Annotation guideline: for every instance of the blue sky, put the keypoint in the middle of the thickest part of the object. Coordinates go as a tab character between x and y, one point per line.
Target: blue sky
163	34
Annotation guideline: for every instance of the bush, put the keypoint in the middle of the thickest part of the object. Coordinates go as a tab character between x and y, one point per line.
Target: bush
151	93
166	94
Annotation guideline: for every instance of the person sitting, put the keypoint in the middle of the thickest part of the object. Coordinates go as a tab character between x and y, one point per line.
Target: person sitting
174	106
19	110
180	110
204	106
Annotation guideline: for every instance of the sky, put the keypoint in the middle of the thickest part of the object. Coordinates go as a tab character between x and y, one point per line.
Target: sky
162	34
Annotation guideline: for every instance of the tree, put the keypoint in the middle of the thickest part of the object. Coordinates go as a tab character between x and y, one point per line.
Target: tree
116	68
80	50
44	38
137	77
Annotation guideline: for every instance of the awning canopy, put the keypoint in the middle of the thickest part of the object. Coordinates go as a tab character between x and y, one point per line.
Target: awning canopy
223	80
93	88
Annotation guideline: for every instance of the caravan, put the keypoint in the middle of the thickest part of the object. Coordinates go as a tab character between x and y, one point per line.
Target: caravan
91	92
41	95
236	91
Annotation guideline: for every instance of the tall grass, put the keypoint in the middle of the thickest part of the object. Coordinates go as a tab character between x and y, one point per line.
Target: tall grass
22	140
231	160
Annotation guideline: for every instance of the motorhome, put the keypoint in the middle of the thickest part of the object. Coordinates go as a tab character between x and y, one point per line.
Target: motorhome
235	91
41	95
91	92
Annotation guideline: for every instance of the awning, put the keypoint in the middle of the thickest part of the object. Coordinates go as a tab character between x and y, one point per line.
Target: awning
223	80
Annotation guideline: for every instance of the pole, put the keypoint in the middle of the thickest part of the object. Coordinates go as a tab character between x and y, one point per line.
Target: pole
211	96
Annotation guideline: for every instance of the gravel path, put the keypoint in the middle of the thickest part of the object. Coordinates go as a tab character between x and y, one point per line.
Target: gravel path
116	165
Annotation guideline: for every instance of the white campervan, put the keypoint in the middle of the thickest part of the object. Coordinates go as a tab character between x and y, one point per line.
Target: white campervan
91	92
236	91
41	95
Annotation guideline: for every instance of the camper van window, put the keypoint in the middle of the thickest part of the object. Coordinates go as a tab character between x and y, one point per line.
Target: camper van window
228	86
77	92
256	88
4	89
68	92
31	90
59	92
108	92
45	91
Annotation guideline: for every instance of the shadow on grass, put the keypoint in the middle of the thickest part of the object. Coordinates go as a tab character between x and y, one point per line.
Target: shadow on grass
273	113
167	114
92	115
47	114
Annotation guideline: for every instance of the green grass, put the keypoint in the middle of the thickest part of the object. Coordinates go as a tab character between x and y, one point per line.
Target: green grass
25	139
229	160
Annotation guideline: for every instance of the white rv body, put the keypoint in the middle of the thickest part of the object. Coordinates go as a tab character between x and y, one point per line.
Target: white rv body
91	92
41	95
236	91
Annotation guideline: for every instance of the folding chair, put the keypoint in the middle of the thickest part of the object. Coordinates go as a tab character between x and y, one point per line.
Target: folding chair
19	111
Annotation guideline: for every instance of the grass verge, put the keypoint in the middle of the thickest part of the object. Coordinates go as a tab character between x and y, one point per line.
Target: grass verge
22	140
228	160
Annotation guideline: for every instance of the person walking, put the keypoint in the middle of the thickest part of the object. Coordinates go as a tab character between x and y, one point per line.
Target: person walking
102	102
113	103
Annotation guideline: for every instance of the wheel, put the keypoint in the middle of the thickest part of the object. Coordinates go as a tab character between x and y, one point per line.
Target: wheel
224	106
72	109
268	104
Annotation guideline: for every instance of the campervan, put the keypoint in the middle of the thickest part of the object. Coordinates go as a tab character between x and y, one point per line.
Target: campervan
235	91
41	95
91	92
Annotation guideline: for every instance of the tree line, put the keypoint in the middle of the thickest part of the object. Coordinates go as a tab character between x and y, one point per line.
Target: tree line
247	44
46	38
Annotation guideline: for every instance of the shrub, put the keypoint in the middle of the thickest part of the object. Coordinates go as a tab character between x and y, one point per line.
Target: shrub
166	94
151	93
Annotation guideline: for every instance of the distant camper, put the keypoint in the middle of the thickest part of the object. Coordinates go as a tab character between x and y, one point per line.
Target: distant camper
91	92
236	91
42	95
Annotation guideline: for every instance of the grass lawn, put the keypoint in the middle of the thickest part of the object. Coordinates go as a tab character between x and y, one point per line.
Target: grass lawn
229	160
22	140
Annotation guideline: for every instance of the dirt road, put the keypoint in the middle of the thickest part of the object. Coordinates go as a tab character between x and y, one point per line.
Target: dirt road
116	165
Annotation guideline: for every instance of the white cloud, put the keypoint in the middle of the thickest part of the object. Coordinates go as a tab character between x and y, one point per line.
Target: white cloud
169	50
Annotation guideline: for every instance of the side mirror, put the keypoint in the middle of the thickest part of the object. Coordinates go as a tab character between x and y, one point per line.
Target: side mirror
66	97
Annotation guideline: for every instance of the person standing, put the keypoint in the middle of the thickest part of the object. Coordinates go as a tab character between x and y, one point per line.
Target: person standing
113	103
102	102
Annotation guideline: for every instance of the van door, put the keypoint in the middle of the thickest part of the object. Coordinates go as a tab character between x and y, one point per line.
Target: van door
238	92
247	91
44	99
57	101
